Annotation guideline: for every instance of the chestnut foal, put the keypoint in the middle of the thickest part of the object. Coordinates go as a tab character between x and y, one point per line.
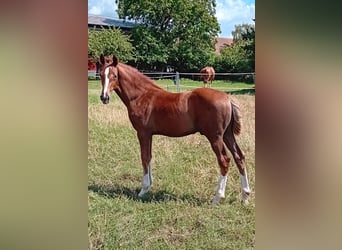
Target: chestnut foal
155	111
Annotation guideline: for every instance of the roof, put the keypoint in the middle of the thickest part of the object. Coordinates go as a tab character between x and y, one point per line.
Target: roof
108	21
221	43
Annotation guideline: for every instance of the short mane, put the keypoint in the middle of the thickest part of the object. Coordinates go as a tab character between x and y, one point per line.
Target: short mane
139	77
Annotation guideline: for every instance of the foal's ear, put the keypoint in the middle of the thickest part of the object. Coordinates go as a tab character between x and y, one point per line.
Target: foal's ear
115	61
102	59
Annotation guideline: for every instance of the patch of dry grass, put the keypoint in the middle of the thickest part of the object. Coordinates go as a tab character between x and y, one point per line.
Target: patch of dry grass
108	115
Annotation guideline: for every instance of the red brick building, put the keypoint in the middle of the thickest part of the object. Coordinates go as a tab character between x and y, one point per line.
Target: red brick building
221	43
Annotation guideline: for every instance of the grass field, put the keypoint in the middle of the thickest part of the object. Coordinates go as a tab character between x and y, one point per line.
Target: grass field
176	213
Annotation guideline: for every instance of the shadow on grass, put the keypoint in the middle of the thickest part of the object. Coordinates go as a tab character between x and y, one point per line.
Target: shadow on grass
242	91
159	196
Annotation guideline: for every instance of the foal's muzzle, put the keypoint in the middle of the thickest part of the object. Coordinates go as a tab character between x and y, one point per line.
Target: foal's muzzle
104	99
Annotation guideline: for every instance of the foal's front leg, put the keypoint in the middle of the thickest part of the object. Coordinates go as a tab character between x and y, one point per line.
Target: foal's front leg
145	148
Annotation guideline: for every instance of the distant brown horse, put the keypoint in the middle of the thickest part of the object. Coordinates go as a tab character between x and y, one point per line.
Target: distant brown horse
207	74
155	111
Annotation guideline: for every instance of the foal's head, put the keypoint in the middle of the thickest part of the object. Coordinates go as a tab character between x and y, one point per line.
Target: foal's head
109	77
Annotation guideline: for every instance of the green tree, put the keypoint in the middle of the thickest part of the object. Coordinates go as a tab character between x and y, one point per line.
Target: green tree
241	30
150	51
235	59
240	56
172	32
244	35
110	41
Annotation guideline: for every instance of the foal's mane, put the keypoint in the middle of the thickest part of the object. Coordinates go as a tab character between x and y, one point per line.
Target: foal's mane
136	77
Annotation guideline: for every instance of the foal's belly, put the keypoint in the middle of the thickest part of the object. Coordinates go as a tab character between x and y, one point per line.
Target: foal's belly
174	126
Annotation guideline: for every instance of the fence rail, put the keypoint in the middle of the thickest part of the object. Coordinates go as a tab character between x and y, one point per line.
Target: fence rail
175	77
93	73
195	74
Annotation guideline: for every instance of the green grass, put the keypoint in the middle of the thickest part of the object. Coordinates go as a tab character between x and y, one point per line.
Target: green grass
176	213
187	84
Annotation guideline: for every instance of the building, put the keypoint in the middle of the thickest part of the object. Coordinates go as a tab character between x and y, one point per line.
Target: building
106	22
221	43
99	22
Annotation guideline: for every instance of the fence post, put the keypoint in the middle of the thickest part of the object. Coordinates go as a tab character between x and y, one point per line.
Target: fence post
177	81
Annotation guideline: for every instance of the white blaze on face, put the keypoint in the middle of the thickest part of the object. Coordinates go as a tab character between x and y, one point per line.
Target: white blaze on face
105	89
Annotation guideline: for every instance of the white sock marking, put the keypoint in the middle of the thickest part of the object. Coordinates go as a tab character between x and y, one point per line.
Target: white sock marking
221	187
147	181
149	171
244	183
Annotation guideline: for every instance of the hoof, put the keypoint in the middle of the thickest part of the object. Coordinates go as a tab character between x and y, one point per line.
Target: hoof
217	199
143	191
246	191
245	196
244	202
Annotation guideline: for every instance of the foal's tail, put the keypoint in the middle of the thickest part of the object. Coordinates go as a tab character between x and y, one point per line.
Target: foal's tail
237	118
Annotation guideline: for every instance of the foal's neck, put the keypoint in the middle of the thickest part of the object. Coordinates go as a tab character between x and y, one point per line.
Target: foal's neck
133	84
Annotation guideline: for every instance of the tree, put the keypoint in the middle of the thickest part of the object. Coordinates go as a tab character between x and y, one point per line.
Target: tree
244	35
150	51
240	56
179	33
109	42
235	59
241	30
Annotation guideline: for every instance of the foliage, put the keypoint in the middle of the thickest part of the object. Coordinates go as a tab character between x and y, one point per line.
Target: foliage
240	56
110	41
235	58
172	32
150	51
244	35
243	32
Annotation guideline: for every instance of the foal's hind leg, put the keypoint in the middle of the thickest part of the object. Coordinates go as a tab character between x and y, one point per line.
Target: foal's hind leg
146	155
223	161
239	159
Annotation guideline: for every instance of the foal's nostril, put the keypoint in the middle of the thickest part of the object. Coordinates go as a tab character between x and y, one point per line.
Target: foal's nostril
104	99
